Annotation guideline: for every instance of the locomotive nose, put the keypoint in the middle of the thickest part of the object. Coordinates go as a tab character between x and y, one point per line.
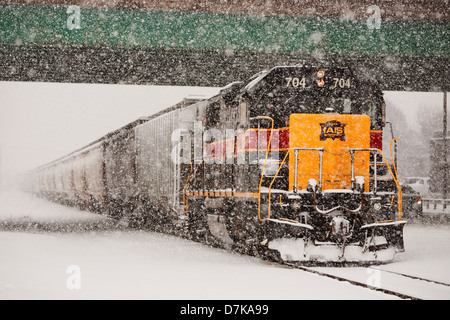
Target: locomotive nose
336	134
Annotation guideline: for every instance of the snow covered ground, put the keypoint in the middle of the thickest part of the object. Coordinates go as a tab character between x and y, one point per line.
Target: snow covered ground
56	252
427	256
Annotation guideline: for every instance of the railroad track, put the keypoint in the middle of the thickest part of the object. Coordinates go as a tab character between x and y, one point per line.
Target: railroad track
389	282
377	278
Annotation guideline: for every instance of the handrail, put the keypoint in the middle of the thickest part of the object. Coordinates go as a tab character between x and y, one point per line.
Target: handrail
394	176
322	149
188	185
396	180
352	154
270	186
265	162
276	174
398	187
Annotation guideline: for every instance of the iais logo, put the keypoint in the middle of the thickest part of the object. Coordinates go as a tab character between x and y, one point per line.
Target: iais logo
332	129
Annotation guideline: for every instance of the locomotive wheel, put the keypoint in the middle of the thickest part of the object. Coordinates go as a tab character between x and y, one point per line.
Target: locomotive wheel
242	225
198	227
139	216
115	209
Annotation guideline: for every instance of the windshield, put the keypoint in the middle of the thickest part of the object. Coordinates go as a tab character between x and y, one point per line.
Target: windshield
304	102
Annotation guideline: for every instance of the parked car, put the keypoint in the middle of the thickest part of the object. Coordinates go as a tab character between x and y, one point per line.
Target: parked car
412	202
419	184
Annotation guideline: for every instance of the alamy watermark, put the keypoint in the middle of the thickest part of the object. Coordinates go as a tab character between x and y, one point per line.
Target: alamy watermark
74	19
374	280
374	21
73	281
221	147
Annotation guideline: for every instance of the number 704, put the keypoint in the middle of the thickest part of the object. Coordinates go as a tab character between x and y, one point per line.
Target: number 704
301	82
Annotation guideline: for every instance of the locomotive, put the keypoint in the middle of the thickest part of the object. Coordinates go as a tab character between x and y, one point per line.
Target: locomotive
287	164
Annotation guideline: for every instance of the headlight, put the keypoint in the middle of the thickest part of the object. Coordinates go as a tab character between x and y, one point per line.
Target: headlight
377	206
296	205
312	185
359	183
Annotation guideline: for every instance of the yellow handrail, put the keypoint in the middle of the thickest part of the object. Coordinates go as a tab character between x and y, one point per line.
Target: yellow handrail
396	182
400	192
378	150
187	186
273	180
265	162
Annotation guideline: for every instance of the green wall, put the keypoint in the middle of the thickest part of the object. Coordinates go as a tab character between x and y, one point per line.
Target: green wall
129	28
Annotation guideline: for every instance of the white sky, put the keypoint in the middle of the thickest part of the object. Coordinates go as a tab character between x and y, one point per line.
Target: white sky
411	102
40	122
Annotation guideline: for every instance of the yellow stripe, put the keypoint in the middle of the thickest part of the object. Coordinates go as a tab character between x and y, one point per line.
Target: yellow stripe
223	194
289	220
246	195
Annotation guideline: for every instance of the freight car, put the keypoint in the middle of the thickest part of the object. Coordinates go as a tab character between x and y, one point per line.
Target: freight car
286	164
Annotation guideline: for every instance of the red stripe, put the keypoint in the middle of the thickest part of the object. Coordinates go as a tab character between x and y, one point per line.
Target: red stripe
249	140
376	139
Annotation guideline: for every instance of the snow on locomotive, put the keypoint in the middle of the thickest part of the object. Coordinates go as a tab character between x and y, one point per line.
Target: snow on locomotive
288	164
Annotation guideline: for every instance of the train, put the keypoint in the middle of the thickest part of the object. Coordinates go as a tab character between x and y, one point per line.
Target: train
286	165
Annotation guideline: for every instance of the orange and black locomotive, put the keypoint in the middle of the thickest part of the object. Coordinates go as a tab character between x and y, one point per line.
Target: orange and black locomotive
288	163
